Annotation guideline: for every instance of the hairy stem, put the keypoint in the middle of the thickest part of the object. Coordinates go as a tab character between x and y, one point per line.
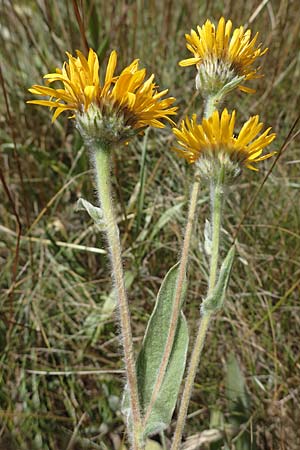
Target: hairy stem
189	382
102	171
211	105
216	192
177	299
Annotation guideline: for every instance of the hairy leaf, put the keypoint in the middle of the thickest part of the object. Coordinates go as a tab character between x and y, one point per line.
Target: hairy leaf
151	354
216	299
94	212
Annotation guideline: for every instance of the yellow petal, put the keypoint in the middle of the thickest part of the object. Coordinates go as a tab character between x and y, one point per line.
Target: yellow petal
111	66
189	62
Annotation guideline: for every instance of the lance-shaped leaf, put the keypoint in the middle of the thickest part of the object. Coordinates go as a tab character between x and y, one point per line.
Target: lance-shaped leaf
230	86
94	212
151	354
216	299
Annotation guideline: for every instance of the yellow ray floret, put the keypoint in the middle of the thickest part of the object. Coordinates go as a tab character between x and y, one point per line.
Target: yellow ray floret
127	95
214	138
237	50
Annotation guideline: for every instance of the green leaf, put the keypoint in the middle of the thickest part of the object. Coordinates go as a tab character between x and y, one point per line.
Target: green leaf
94	212
149	445
230	86
165	218
216	419
152	445
100	314
238	404
235	385
94	25
216	299
151	354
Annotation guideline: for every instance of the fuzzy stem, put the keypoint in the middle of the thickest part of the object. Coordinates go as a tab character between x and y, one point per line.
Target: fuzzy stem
102	165
216	192
177	299
189	382
210	105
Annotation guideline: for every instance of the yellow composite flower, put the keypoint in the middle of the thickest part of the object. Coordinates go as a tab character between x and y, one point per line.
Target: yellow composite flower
214	140
128	95
228	55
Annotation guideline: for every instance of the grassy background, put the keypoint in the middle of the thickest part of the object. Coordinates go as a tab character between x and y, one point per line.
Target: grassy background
57	310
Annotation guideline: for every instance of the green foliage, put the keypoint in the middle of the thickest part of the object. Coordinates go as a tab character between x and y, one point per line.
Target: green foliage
152	445
151	354
231	429
238	404
93	211
215	300
235	385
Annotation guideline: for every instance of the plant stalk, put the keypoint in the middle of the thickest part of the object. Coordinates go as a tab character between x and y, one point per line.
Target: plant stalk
216	195
216	192
102	171
210	105
177	299
189	382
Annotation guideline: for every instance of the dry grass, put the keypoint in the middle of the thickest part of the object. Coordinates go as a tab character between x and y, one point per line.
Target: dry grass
56	305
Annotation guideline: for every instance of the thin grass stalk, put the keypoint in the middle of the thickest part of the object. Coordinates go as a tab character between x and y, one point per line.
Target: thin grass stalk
102	171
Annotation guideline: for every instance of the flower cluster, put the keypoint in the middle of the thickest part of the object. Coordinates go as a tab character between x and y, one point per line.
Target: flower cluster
113	111
124	105
221	58
223	61
213	143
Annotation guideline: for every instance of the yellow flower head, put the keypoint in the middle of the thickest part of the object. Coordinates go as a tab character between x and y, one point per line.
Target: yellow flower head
126	100
213	143
222	56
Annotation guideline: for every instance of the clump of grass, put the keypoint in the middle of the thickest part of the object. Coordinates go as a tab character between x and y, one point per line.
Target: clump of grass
43	280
